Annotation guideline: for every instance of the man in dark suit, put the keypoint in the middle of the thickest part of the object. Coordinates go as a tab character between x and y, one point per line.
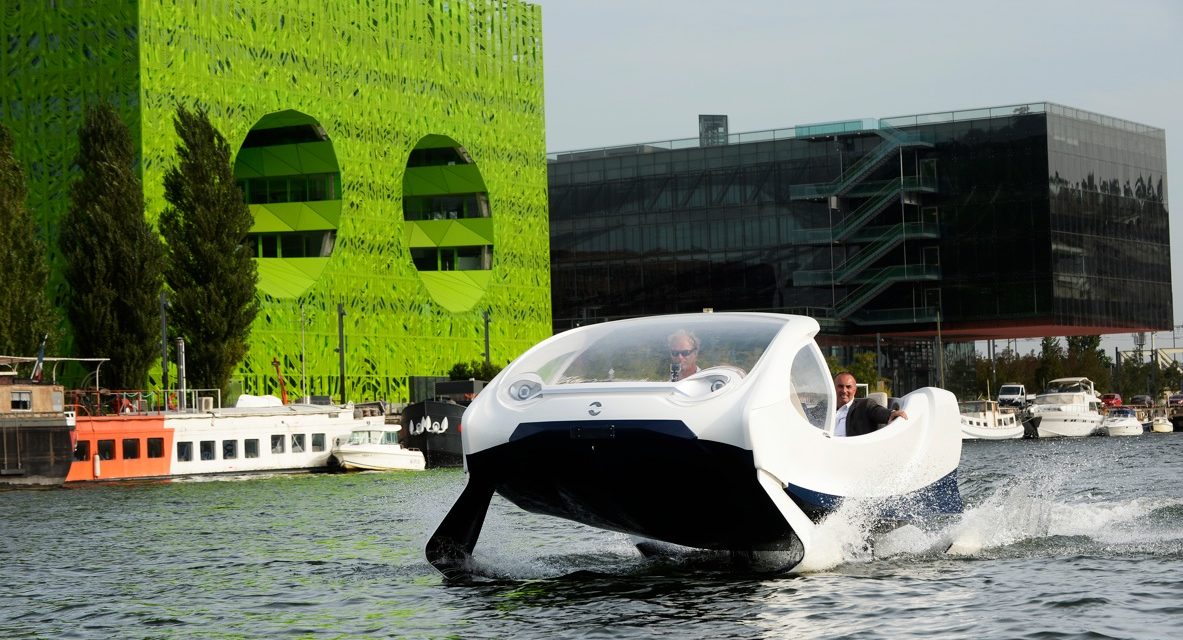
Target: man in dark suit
861	416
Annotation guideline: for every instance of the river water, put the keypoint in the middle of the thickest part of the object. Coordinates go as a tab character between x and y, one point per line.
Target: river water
1079	538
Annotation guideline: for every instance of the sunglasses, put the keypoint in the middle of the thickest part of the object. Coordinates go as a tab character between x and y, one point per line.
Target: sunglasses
685	353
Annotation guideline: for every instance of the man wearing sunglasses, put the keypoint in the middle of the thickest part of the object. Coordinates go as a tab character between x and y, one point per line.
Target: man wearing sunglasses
683	354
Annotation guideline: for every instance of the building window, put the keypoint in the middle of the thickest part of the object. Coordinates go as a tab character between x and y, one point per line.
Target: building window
250	448
155	447
131	448
106	450
184	451
277	445
22	400
297	443
318	442
229	449
82	450
207	449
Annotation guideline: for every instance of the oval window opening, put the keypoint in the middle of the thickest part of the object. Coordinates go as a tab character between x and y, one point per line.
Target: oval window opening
448	222
290	178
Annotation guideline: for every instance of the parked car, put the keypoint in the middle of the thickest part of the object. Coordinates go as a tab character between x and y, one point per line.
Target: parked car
1176	400
1142	401
1111	399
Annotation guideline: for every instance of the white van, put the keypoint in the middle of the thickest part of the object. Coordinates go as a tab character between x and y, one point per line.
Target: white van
1012	394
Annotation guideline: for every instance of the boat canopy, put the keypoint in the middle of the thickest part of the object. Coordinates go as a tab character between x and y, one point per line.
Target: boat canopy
373	436
639	351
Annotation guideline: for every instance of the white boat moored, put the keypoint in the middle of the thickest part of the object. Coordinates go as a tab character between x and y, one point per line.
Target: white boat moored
376	450
984	420
1161	424
1068	408
1122	421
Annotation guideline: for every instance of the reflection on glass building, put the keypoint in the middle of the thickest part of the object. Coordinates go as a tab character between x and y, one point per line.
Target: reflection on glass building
1008	222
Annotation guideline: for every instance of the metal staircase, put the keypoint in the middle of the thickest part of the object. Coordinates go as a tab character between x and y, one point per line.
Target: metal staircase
866	246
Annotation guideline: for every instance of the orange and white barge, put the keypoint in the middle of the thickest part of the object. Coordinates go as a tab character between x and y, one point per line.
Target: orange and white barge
211	441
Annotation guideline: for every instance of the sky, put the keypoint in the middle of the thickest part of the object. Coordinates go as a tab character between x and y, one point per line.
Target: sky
630	71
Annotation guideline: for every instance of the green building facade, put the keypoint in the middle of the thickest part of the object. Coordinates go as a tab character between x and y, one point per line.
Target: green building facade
392	153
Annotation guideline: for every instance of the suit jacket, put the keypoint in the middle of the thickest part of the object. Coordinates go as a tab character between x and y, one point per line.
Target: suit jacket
865	416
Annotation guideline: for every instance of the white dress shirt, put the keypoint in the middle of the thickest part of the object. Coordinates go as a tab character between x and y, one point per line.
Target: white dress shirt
840	419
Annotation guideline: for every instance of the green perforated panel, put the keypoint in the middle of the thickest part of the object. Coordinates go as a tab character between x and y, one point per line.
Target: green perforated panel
378	77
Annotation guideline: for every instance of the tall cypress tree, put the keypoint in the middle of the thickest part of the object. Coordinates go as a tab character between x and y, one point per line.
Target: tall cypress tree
211	272
26	313
114	258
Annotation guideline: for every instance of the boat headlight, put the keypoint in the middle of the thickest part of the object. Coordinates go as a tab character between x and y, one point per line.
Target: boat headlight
717	384
524	389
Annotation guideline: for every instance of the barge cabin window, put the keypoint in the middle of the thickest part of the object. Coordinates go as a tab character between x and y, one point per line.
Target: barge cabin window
277	445
229	449
131	448
318	442
106	450
250	448
82	451
184	451
155	447
297	443
22	400
207	449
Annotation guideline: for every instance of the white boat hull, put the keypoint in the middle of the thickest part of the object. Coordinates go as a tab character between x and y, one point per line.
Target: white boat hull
1161	425
379	458
1075	426
1123	429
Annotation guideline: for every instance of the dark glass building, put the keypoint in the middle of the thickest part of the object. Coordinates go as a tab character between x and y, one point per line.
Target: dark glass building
1007	222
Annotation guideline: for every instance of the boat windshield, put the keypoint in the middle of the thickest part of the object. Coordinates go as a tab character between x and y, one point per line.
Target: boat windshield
1072	386
1058	398
975	406
655	349
365	437
1121	412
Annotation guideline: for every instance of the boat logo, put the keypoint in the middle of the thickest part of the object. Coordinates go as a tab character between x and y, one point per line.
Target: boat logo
595	408
426	425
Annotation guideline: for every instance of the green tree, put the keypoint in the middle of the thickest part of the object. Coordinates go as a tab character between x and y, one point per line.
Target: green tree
113	256
26	312
1086	358
1051	361
210	270
474	370
863	368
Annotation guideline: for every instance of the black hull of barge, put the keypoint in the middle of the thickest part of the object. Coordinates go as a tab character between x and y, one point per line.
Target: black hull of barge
35	451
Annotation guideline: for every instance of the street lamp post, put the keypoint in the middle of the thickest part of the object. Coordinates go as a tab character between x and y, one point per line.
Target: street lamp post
341	347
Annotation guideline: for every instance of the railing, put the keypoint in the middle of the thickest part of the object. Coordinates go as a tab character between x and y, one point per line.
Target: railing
893	139
880	280
104	402
896	316
867	210
885	242
854	126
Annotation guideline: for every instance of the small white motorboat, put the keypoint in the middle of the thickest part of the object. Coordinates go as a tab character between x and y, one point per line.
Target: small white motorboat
985	420
1122	421
375	450
1068	408
1161	424
596	425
